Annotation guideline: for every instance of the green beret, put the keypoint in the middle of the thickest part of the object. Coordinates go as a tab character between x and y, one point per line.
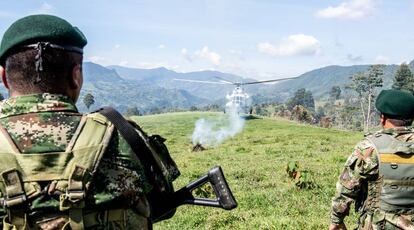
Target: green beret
396	103
40	28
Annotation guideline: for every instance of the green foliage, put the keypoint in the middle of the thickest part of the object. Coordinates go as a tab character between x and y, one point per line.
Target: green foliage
335	93
132	111
212	108
300	113
404	79
267	109
292	169
88	100
302	97
254	163
365	85
205	191
302	178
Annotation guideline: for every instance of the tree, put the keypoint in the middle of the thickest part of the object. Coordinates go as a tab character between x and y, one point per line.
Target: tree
132	111
1	97
300	113
302	97
335	93
88	100
365	84
404	79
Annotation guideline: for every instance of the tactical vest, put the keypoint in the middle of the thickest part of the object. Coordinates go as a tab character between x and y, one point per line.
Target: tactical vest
396	173
68	174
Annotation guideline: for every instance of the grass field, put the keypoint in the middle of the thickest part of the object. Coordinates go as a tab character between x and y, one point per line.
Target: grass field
254	163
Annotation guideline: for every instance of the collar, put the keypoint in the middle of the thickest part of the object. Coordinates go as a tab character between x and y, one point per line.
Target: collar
35	103
398	130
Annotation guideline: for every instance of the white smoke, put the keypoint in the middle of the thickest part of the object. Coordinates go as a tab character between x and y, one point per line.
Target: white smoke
213	132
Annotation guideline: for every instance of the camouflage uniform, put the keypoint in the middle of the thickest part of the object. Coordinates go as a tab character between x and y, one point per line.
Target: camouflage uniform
359	179
46	123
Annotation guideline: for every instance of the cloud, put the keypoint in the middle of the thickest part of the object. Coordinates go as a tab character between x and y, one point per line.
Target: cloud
117	46
211	56
352	58
294	45
161	46
203	54
381	59
353	9
96	59
45	8
186	55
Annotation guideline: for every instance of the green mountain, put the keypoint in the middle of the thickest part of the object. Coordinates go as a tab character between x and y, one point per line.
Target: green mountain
110	89
167	79
320	81
149	89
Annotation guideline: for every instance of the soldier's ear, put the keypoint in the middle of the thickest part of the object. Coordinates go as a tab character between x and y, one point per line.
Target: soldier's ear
77	77
3	77
382	119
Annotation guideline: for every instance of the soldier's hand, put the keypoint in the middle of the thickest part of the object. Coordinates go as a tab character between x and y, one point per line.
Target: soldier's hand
337	227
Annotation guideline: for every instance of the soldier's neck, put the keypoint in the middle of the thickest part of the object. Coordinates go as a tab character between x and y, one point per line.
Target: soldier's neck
388	125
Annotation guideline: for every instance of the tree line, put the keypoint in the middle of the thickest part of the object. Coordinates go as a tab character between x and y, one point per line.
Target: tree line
347	107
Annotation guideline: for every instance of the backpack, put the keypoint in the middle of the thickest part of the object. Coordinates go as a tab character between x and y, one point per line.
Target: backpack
71	172
396	173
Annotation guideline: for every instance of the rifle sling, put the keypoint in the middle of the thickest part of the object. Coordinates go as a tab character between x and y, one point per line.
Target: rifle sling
141	150
128	132
135	141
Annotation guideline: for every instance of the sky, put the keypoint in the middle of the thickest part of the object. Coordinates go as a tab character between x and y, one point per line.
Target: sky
261	39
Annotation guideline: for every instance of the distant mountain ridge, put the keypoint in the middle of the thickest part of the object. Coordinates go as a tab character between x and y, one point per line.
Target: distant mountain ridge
149	89
167	79
318	81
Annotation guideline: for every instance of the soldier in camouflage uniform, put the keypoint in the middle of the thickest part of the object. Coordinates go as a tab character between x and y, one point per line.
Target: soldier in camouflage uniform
41	56
379	174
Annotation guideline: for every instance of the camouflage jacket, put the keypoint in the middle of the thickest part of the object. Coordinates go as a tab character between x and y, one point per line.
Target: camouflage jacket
359	176
46	123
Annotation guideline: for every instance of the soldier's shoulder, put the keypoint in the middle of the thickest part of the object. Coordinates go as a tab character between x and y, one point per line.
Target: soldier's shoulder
365	143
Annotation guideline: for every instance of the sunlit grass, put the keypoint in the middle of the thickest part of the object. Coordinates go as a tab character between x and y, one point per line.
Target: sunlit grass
254	164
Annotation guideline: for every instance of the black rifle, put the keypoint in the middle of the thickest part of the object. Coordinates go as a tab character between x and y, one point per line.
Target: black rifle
164	203
224	197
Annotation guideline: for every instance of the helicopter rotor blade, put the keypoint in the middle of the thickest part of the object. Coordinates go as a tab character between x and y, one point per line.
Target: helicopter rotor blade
224	80
198	81
267	81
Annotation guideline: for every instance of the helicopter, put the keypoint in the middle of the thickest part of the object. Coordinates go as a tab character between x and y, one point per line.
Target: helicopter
238	100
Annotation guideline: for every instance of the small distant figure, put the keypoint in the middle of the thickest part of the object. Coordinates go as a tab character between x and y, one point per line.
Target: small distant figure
379	174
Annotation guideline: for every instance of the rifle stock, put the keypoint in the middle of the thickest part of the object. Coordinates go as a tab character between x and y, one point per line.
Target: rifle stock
224	196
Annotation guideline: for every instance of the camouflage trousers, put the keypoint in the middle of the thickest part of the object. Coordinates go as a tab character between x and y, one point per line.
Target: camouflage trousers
130	221
379	220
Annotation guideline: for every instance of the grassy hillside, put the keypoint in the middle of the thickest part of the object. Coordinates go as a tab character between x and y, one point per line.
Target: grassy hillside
254	163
